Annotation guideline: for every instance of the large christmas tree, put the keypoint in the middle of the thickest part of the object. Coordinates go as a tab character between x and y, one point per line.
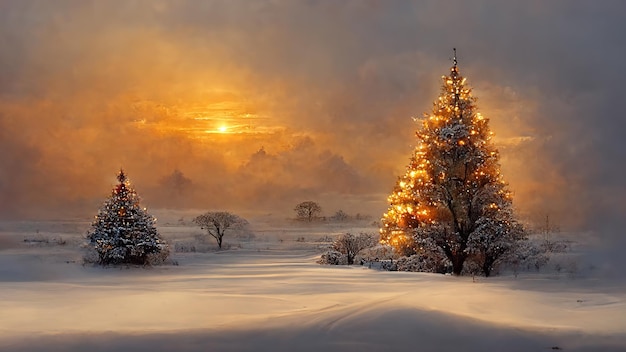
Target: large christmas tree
452	207
123	232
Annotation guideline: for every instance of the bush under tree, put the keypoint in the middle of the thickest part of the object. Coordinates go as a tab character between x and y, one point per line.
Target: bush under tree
123	232
346	247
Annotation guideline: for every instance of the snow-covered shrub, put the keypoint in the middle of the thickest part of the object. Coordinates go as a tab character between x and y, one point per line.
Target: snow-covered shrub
333	257
426	257
389	265
346	247
375	254
421	263
350	245
527	256
493	241
159	257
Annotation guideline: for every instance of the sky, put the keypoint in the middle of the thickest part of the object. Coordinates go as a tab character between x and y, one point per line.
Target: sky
255	106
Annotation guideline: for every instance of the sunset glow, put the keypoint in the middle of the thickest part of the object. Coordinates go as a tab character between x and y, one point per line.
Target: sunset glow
333	119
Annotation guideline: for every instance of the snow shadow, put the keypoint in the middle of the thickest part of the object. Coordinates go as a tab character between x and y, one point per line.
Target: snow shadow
375	330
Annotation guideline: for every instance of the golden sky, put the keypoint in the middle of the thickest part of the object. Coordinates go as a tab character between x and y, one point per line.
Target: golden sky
262	104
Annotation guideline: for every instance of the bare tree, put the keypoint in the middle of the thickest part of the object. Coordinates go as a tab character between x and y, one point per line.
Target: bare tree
350	245
216	224
308	210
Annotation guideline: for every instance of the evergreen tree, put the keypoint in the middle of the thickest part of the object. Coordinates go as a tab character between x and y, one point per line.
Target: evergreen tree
123	232
452	204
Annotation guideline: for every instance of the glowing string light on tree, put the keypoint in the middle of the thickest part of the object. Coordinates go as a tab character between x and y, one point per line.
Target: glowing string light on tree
452	186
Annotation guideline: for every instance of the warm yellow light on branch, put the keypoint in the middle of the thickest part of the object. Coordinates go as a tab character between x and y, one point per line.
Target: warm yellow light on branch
451	182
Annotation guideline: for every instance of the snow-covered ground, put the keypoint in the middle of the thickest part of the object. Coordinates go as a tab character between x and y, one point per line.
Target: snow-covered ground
266	293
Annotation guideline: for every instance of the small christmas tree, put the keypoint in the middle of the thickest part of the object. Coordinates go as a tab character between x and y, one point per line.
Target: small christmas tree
452	204
123	232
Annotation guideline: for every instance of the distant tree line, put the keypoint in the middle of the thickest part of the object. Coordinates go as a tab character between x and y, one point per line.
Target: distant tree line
310	211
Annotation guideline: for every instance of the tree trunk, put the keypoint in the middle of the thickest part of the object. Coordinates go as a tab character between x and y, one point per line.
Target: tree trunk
487	267
457	263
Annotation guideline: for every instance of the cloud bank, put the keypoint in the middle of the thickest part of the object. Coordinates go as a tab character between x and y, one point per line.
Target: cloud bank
262	105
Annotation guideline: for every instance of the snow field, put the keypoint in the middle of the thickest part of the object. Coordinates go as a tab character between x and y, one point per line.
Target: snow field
267	293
